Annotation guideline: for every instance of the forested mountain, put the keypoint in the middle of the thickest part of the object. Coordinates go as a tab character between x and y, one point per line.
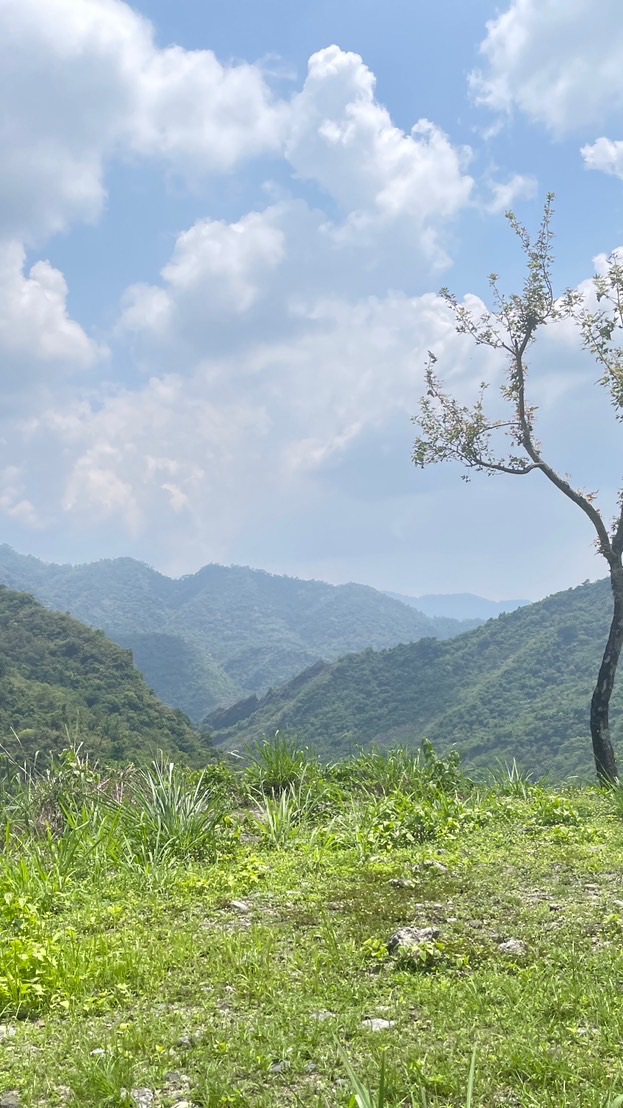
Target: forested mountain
220	634
61	681
459	605
518	687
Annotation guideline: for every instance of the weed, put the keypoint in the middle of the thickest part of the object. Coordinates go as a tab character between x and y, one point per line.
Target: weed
277	763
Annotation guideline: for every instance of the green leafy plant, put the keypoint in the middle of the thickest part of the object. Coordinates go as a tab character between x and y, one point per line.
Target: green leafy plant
276	764
166	814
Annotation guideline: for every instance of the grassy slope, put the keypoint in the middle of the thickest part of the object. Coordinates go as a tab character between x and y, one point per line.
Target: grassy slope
58	677
518	687
238	630
236	977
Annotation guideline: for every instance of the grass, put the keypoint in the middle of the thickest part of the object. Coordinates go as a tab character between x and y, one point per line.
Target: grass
221	938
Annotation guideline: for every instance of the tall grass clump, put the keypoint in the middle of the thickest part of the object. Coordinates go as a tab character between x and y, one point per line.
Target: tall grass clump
168	813
419	772
275	764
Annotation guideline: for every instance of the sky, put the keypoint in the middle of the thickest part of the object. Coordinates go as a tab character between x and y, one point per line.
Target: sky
223	230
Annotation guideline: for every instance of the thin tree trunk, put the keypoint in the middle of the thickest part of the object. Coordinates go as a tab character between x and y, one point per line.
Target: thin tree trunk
605	762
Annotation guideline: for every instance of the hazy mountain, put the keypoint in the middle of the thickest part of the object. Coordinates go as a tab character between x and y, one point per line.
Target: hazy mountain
210	638
61	681
459	605
517	687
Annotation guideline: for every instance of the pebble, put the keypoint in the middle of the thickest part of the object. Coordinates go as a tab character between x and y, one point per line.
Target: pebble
513	946
142	1098
11	1099
409	938
378	1024
7	1031
175	1080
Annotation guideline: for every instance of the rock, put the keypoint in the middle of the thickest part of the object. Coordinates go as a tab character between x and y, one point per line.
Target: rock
410	938
378	1024
322	1015
98	1052
311	1067
176	1080
240	905
513	946
279	1067
184	1042
436	867
142	1098
402	883
11	1099
7	1031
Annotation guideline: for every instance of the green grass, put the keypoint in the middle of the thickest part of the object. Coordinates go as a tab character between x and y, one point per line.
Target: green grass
221	939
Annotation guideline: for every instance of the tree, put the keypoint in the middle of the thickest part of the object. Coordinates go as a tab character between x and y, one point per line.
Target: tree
449	430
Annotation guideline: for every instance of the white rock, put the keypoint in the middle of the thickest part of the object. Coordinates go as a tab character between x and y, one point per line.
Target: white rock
142	1098
378	1024
410	938
513	946
240	905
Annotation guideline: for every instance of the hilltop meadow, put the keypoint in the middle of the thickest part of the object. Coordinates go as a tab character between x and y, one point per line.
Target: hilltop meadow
378	931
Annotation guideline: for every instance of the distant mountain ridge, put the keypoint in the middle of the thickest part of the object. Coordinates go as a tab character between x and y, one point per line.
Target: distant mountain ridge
211	638
518	687
460	605
62	682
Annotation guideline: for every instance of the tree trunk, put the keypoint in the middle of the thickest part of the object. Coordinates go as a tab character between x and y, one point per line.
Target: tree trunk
605	762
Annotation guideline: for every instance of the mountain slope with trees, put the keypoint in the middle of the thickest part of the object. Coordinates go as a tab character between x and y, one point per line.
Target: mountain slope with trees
223	633
518	687
62	682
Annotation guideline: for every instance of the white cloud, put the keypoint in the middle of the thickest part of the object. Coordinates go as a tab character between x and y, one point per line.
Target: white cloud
559	63
39	342
82	81
605	155
249	434
216	268
12	502
506	193
340	137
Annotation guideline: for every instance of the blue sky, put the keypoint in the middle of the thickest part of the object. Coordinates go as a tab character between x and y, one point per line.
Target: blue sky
220	248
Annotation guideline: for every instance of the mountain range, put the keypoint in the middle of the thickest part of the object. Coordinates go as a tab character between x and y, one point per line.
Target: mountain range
459	605
208	639
518	687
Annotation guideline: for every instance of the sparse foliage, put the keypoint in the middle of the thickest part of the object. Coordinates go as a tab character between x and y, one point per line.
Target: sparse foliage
469	434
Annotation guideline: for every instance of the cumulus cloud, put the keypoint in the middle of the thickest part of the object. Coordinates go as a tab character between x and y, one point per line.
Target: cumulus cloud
244	435
39	342
605	155
558	63
83	82
217	269
340	137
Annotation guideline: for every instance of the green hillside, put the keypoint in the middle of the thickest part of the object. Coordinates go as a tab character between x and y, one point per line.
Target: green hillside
60	680
223	633
518	687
